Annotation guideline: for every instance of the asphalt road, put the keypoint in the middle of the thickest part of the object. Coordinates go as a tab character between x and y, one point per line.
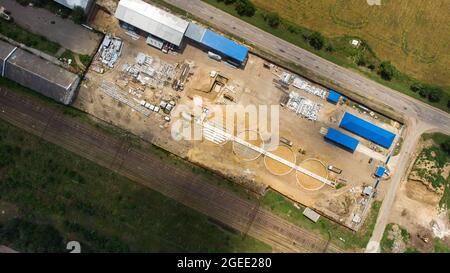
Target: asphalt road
63	31
143	167
420	117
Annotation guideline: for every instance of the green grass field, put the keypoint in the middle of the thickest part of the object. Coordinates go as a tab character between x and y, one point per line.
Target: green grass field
349	239
105	212
414	42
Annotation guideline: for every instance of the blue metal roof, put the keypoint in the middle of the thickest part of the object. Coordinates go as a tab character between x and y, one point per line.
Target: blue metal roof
367	130
333	96
341	139
380	171
225	46
195	32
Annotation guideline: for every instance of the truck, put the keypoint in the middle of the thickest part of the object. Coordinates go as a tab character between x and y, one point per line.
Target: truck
286	141
334	169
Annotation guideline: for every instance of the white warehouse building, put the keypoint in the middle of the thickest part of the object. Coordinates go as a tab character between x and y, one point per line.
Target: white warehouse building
159	25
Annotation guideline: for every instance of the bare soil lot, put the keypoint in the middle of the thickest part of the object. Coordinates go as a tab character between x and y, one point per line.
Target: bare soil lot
250	86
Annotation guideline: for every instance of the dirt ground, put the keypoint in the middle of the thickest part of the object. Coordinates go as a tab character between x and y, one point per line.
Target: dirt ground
250	86
417	209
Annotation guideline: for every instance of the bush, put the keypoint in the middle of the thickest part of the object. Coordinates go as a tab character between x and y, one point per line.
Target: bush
316	40
424	92
387	71
78	15
416	87
330	47
292	29
245	8
272	19
448	103
227	2
434	94
30	237
446	146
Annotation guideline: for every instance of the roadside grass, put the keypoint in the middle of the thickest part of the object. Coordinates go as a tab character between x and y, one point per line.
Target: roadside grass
341	236
337	50
386	244
440	246
15	32
104	211
69	55
85	59
398	146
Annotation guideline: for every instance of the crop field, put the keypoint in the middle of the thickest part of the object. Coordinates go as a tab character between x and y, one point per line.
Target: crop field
413	34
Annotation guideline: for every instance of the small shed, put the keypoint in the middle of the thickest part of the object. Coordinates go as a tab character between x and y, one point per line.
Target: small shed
333	96
312	215
380	171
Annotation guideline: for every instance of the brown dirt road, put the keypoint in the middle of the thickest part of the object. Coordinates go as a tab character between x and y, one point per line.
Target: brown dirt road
179	184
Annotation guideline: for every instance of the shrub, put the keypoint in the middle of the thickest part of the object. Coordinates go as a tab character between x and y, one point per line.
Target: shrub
448	103
416	87
446	146
387	71
292	29
227	2
434	94
316	40
330	47
78	15
245	8
272	19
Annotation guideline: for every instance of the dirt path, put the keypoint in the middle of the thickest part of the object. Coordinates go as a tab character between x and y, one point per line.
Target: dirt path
149	170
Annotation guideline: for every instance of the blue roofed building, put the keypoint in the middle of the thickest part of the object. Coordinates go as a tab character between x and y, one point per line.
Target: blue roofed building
333	96
380	171
344	141
234	52
367	130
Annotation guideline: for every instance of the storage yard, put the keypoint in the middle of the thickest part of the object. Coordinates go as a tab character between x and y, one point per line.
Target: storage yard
329	149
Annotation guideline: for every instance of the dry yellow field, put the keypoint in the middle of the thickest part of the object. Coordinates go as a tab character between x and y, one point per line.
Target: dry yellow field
413	34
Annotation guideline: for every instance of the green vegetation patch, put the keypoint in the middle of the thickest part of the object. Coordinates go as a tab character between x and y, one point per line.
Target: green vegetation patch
440	246
18	34
341	236
388	240
85	60
429	165
104	211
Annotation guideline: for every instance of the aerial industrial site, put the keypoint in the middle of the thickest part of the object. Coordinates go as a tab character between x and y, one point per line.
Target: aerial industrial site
338	157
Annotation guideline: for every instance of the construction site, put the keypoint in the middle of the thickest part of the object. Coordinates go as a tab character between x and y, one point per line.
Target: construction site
332	155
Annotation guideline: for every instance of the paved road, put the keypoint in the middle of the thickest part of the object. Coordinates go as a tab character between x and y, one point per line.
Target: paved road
148	169
420	116
63	31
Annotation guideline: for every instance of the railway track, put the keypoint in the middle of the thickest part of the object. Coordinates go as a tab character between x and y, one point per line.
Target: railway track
180	184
